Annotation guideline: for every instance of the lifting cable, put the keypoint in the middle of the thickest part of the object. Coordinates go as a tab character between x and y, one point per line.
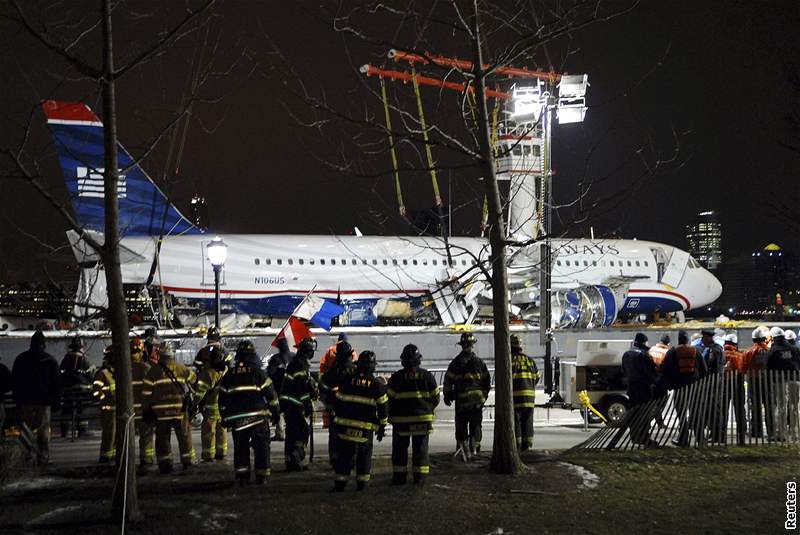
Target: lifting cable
434	181
401	205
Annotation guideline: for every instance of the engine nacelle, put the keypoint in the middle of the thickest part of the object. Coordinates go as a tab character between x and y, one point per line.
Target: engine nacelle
586	307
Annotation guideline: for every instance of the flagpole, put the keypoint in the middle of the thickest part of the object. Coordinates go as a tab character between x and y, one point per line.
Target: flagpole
292	314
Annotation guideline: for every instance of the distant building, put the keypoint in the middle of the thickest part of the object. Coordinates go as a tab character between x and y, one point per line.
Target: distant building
199	211
704	237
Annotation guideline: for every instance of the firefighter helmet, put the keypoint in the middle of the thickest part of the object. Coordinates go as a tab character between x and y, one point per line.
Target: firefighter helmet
516	344
245	347
108	353
366	361
467	339
137	346
307	345
76	344
213	334
410	356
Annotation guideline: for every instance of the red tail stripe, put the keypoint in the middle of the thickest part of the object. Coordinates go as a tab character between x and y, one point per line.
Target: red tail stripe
68	111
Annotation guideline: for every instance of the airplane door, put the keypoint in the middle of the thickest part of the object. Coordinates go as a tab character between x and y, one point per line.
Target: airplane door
676	268
661	261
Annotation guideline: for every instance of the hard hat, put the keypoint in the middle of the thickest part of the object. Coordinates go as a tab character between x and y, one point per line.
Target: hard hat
307	345
516	343
366	361
213	334
467	339
776	332
732	338
759	333
410	356
76	344
789	334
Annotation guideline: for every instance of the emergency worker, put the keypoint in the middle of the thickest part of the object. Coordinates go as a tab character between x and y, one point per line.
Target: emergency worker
640	371
151	343
326	363
165	393
360	411
76	381
340	371
525	377
712	352
413	396
247	401
733	364
213	436
790	336
36	383
139	368
659	351
104	390
682	366
783	364
753	362
298	392
276	369
210	351
467	382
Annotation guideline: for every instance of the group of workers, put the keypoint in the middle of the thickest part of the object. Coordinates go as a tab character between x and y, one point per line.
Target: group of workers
245	397
652	371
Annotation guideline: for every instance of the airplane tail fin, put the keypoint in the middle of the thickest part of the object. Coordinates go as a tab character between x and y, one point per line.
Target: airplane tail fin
144	210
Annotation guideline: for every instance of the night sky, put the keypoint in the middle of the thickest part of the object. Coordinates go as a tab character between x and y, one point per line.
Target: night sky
712	75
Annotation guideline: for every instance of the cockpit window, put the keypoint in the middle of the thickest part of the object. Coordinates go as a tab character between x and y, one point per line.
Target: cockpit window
693	263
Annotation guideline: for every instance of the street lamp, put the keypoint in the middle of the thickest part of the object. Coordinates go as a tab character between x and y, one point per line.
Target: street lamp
217	253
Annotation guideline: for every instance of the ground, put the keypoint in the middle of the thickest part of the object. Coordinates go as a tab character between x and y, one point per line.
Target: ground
669	490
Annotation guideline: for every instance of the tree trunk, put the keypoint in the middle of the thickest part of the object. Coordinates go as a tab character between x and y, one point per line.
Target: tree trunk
505	458
125	504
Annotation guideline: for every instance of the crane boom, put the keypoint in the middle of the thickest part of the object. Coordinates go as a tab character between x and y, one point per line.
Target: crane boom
371	70
464	65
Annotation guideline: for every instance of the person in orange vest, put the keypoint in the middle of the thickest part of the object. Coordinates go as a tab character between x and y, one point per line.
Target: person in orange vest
753	361
325	364
682	366
659	351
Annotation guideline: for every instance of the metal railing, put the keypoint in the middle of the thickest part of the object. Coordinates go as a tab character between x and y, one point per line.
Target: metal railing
738	409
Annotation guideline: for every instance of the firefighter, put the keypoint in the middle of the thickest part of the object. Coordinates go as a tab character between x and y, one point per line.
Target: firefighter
165	394
783	363
139	368
209	351
467	382
525	376
360	411
753	362
276	369
326	363
733	365
104	389
413	396
151	345
339	372
682	366
298	392
247	401
76	380
212	435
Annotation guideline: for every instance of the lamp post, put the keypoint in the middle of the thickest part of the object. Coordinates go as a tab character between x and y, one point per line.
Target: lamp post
217	253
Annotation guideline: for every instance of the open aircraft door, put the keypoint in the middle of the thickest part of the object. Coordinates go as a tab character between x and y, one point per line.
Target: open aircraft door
675	268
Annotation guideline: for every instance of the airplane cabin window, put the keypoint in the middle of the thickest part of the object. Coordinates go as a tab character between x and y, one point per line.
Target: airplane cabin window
629	263
566	262
321	261
405	262
637	263
311	261
268	261
594	263
434	261
344	262
394	261
354	261
415	262
646	264
290	261
424	261
517	151
257	261
463	262
300	261
611	263
279	261
585	263
374	262
385	262
364	261
558	262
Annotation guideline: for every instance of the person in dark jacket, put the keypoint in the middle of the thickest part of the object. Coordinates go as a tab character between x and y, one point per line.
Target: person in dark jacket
341	370
413	396
297	397
76	382
525	377
683	365
247	401
36	383
640	371
104	390
359	411
211	351
5	387
276	369
783	364
712	352
467	382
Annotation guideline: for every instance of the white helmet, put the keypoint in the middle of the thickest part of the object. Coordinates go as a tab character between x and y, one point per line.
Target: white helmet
760	332
789	334
732	338
775	332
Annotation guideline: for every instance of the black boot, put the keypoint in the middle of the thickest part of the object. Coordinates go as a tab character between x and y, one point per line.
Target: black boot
338	486
260	480
399	479
165	468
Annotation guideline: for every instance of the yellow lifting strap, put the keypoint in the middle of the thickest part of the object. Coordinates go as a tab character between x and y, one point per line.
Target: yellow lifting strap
401	205
434	181
583	397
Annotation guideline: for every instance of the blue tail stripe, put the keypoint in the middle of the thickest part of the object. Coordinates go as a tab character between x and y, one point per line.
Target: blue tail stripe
144	210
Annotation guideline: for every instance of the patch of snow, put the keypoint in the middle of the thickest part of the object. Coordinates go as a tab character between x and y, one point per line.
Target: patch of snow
32	484
55	514
590	479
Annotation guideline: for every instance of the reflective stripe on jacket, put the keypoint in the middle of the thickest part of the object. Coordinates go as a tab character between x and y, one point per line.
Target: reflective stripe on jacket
413	396
361	405
525	377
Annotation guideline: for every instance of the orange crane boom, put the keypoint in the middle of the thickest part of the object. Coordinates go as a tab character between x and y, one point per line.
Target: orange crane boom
371	70
464	65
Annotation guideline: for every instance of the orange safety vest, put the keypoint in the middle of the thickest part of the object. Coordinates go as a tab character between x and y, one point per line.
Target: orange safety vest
657	353
687	359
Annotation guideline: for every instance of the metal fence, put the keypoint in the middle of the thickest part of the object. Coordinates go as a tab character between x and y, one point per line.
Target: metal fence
737	409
